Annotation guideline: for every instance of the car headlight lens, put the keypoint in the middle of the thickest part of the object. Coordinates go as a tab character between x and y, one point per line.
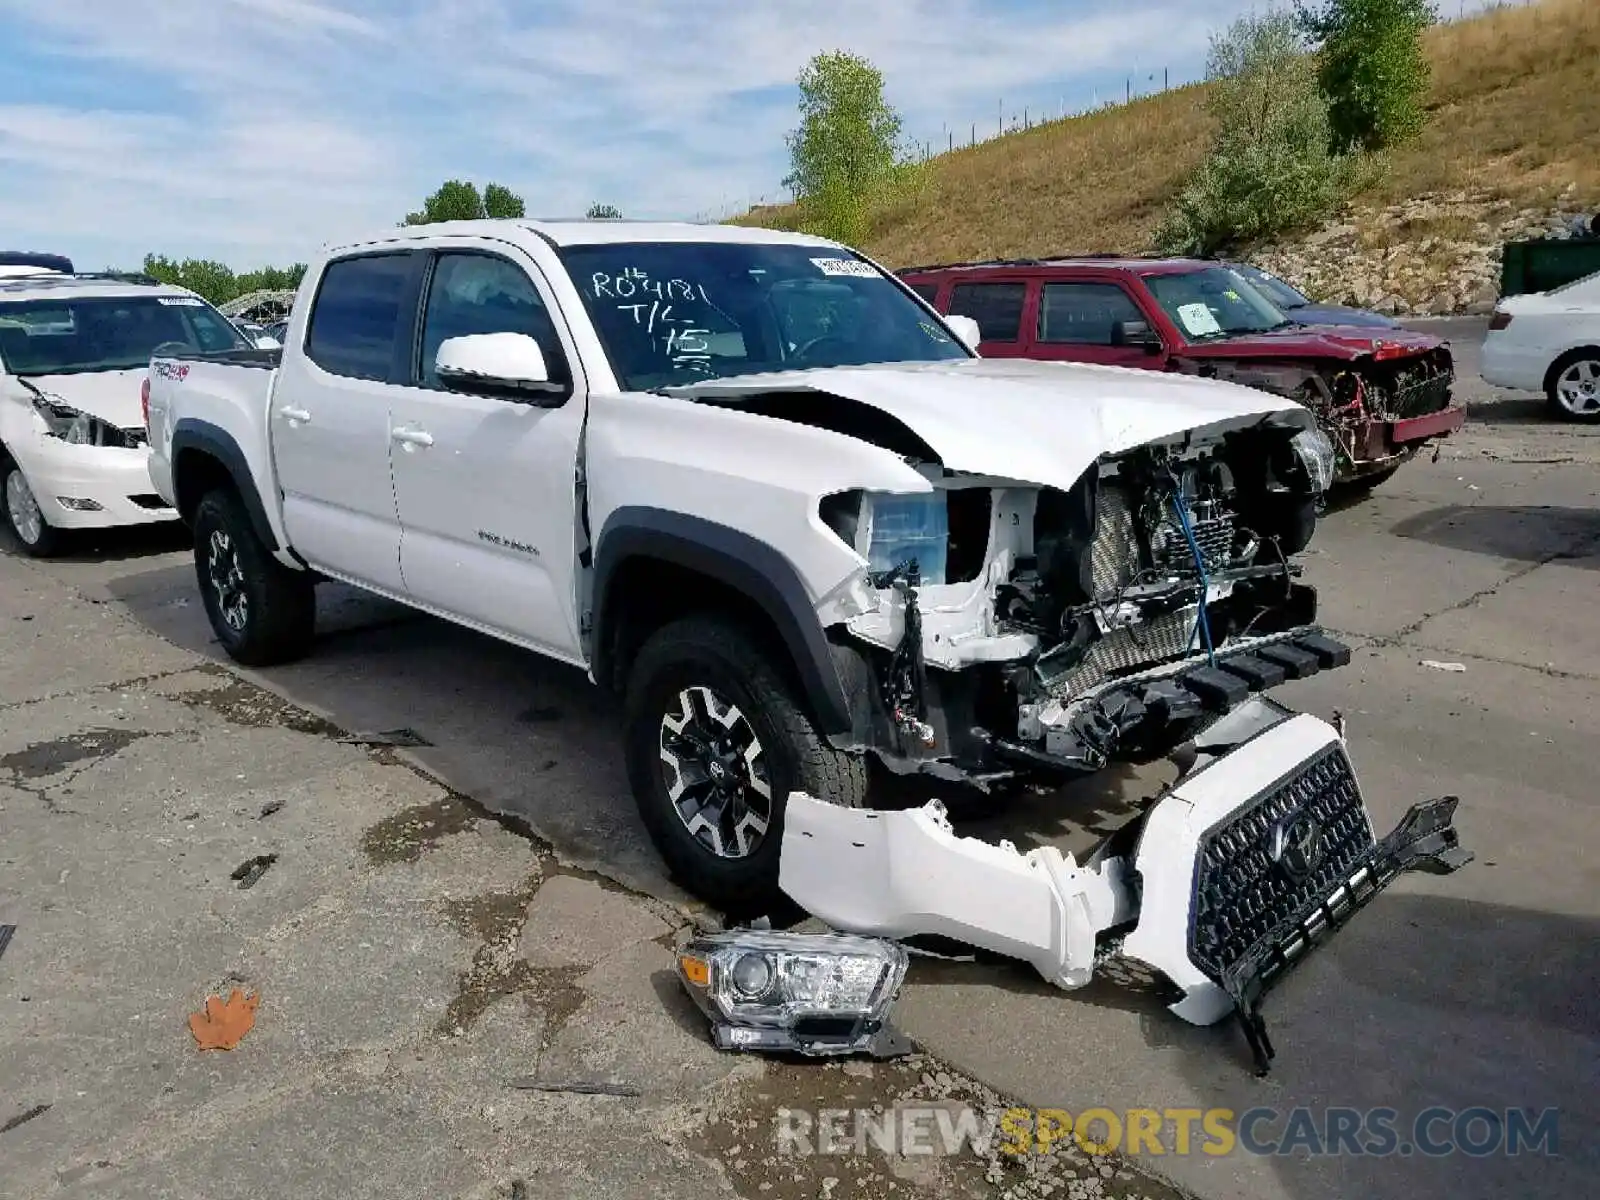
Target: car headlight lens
77	428
1315	451
815	994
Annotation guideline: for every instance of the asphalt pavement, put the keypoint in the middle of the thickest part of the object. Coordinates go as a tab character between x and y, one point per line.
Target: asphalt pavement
1470	990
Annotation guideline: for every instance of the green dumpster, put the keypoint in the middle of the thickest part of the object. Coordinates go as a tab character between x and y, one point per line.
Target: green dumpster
1539	264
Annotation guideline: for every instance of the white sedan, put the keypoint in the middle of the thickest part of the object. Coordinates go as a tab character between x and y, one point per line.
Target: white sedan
74	353
1549	342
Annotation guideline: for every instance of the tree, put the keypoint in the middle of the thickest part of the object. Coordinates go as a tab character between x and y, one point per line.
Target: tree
603	212
1269	167
213	280
458	200
1373	70
217	282
846	155
501	202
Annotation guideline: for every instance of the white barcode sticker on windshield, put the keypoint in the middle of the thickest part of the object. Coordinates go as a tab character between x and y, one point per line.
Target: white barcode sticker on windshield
186	301
1198	319
845	266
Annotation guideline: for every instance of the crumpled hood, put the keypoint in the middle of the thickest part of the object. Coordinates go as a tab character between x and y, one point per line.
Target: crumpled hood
113	396
1044	423
1344	342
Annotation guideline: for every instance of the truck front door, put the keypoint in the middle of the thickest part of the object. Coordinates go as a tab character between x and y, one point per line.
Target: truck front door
485	485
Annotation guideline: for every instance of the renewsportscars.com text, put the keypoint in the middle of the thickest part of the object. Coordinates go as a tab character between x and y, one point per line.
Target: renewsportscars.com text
1436	1132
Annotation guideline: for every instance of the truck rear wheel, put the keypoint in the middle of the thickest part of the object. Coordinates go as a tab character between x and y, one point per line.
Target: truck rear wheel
262	612
715	741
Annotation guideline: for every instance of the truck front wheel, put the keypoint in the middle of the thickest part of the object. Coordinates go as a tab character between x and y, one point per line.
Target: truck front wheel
262	612
715	742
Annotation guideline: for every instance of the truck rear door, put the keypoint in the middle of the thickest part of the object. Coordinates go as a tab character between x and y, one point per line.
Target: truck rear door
330	418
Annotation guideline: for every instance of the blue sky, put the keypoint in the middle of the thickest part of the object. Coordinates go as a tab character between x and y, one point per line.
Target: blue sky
256	130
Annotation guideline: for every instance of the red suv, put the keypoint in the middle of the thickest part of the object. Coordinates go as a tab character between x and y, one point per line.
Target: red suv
1381	395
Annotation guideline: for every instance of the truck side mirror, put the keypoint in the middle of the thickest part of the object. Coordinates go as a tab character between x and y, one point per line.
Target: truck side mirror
1136	333
507	365
966	330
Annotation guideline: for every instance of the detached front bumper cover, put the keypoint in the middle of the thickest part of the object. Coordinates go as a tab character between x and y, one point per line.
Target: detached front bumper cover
1257	854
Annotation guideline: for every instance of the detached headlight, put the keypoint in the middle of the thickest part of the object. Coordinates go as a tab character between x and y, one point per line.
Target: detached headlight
77	428
1312	447
814	994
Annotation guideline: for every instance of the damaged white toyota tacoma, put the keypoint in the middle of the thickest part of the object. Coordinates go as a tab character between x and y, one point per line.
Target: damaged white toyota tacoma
752	483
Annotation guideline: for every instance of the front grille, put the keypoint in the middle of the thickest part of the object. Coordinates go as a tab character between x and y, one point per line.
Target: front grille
1421	397
1114	556
1243	898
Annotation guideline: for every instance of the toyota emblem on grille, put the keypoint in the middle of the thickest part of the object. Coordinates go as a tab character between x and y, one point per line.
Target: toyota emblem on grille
1297	845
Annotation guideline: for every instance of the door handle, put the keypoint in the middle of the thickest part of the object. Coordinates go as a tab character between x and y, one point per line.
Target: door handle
295	416
411	437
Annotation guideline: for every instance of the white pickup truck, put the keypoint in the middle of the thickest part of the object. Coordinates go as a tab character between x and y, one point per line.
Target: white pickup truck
753	484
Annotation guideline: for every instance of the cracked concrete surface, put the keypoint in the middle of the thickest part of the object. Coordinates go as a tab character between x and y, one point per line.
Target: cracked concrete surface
394	898
414	955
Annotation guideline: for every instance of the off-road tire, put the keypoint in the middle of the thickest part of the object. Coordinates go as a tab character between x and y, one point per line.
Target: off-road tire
51	541
721	655
280	612
1559	410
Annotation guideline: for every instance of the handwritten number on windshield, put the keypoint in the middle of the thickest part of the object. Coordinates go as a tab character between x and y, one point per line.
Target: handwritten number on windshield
685	344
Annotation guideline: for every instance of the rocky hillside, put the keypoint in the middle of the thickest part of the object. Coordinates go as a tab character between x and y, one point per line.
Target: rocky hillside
1512	145
1437	254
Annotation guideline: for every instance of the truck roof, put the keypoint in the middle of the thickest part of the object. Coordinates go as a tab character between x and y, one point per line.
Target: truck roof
580	232
106	285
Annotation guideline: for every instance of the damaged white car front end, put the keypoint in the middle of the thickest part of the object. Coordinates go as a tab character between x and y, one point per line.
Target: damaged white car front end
1101	566
1258	853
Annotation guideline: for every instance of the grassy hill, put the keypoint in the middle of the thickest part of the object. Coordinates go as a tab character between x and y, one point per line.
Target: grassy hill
1514	112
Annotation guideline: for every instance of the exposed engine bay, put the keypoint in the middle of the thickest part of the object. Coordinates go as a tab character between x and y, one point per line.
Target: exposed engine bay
1014	630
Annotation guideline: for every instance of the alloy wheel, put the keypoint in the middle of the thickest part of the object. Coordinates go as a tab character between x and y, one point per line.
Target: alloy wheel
227	581
715	771
23	508
1578	388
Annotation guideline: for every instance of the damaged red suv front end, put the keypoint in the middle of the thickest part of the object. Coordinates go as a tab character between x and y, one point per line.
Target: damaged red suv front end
1381	395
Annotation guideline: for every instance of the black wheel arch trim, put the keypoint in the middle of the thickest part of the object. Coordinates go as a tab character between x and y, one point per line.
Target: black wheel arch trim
748	565
219	444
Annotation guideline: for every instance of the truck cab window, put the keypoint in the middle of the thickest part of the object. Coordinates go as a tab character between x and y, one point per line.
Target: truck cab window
354	328
479	293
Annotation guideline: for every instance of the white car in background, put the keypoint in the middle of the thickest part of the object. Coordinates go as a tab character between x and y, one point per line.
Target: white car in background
1549	342
74	352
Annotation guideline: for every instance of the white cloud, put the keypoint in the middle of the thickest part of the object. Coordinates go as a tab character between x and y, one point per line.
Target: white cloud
255	130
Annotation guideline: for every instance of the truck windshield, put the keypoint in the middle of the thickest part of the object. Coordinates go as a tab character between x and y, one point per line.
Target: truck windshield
1214	302
674	313
73	336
